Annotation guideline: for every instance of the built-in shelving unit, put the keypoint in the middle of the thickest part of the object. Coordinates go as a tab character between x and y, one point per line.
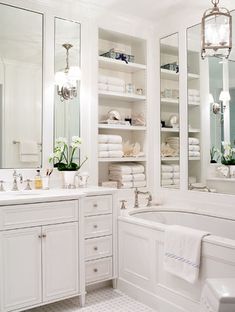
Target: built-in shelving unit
128	105
169	107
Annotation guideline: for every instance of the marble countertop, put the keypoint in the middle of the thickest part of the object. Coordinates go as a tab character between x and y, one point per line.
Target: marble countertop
38	196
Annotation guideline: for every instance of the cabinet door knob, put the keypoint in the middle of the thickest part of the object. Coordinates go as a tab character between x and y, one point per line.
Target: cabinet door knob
95	205
95	248
44	236
95	270
95	226
39	236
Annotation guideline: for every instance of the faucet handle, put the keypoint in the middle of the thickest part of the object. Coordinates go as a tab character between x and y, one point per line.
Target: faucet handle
1	186
149	198
123	204
28	186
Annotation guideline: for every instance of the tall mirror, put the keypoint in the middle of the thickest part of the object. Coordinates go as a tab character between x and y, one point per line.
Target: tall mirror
211	83
67	78
170	130
21	46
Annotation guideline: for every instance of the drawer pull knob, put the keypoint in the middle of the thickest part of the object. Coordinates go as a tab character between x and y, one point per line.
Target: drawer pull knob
95	248
95	205
39	236
95	270
44	236
95	226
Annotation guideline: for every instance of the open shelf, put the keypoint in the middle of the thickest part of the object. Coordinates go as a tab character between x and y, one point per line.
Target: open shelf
122	127
118	65
169	74
121	96
170	101
193	76
123	159
170	159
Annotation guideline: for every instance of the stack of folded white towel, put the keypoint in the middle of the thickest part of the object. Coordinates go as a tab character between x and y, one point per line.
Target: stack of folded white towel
170	175
194	96
107	83
110	146
127	175
174	143
194	147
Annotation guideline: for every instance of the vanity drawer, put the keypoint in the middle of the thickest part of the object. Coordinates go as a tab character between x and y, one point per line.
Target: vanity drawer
98	270
98	248
27	215
96	205
98	226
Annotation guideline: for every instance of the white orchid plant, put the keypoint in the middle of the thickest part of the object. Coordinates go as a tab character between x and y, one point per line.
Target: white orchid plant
64	153
228	153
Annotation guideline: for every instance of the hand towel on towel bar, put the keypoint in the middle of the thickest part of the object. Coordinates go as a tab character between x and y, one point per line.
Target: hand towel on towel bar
29	151
182	252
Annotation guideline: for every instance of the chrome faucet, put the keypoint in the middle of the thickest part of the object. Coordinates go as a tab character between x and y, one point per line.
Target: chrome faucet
137	193
15	176
200	188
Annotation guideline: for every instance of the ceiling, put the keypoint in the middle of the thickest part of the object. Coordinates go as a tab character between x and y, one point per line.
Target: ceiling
152	10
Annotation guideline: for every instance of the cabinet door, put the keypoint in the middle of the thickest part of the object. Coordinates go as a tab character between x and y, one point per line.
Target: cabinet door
60	261
20	268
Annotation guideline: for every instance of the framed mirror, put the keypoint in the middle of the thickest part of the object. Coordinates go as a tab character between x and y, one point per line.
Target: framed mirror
21	63
170	130
211	83
67	78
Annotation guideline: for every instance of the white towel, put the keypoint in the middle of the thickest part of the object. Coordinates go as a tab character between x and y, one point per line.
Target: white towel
176	168
195	148
176	175
193	154
113	139
167	175
193	141
182	252
176	181
120	178
111	154
110	147
125	185
127	168
103	86
139	183
29	151
166	182
167	168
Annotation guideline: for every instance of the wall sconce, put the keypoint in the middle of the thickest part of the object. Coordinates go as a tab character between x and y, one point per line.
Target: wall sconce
223	98
66	80
216	32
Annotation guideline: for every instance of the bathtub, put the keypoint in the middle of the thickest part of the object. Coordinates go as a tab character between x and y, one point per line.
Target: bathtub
141	246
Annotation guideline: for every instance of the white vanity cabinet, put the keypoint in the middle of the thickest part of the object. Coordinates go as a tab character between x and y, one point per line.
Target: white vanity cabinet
98	233
38	254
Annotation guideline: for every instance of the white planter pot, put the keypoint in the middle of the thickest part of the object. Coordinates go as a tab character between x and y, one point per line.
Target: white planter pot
69	179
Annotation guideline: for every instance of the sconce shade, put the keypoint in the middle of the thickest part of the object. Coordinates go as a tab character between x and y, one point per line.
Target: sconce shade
216	32
224	96
211	99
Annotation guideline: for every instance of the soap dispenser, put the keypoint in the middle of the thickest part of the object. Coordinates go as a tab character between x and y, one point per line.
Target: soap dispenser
38	180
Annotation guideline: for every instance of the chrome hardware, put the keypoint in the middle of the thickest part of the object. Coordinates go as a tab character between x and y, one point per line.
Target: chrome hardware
44	235
95	270
95	248
137	193
199	187
15	176
123	204
95	205
1	186
95	226
39	236
28	187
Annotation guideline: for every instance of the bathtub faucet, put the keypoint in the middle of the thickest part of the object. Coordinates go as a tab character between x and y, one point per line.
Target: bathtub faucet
137	193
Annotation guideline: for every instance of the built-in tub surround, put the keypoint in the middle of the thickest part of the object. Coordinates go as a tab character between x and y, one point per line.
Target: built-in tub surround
141	246
45	255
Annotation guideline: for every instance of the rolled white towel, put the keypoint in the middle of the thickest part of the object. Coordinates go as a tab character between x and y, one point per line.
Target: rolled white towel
166	182
103	154
194	154
127	168
102	138
138	177
139	183
114	88
103	86
136	168
110	147
115	154
167	168
102	79
176	181
176	175
195	148
167	175
125	185
120	177
176	168
193	141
